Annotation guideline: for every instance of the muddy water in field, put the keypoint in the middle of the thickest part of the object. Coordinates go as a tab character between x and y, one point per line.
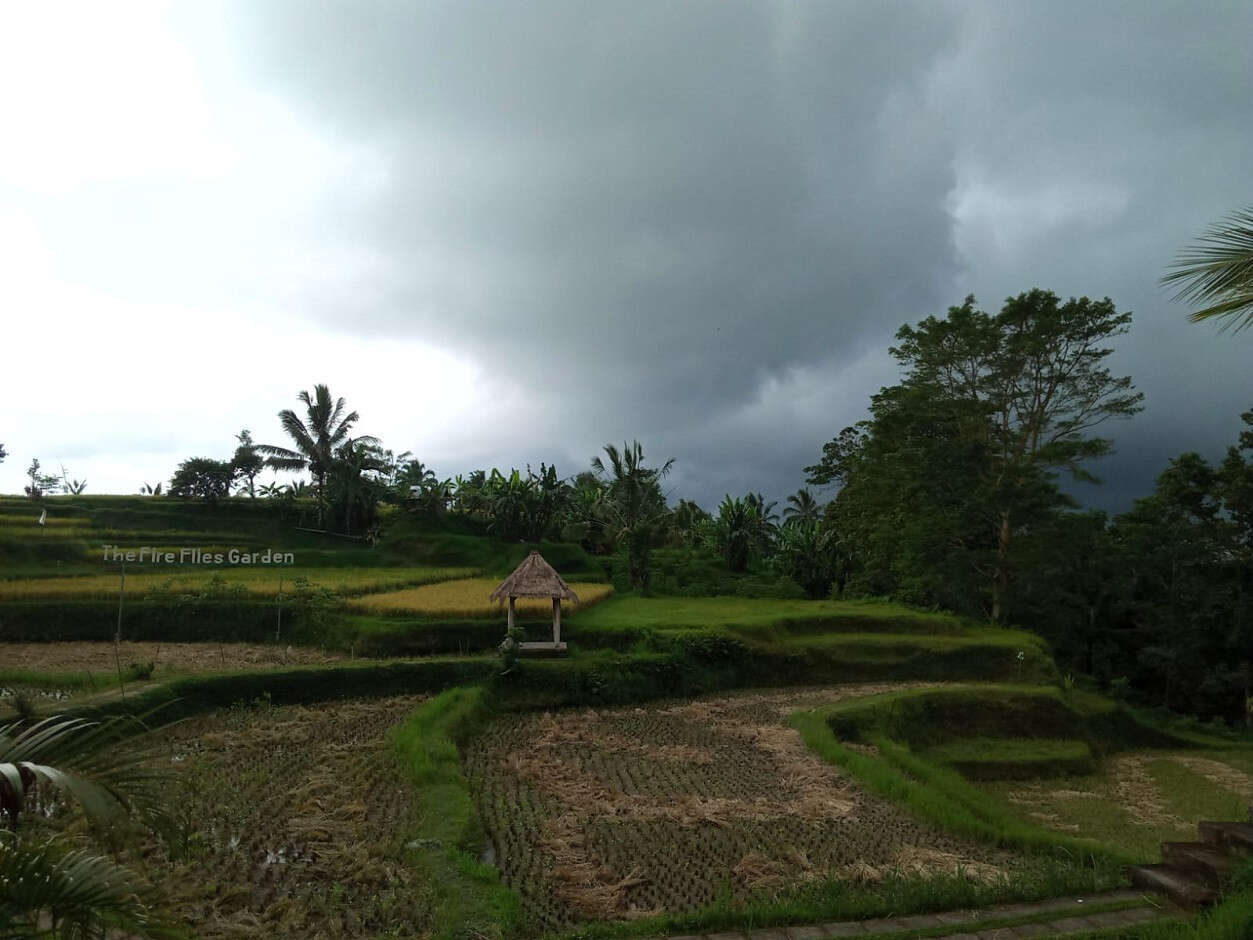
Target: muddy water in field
632	811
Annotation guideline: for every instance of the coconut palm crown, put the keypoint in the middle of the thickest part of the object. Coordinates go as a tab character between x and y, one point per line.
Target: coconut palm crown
316	438
1218	271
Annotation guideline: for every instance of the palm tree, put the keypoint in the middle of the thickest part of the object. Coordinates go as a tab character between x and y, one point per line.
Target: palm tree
734	532
75	893
355	491
1218	271
316	438
635	507
801	509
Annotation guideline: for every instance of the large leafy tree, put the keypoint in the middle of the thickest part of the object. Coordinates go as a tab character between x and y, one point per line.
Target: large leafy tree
1190	608
1217	272
202	478
968	446
634	511
324	428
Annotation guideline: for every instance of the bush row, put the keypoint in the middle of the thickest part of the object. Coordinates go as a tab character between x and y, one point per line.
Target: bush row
300	686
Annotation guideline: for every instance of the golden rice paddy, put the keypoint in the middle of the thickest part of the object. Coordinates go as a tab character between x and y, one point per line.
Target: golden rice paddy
260	580
468	597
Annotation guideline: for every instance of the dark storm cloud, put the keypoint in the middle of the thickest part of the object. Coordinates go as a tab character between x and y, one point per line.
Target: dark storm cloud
675	221
671	201
1095	141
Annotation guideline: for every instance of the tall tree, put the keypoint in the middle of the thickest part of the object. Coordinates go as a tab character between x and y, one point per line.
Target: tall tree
202	478
324	428
247	462
1218	271
40	482
989	411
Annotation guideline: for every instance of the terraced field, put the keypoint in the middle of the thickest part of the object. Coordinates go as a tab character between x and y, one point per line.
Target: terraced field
630	812
291	822
1140	798
258	581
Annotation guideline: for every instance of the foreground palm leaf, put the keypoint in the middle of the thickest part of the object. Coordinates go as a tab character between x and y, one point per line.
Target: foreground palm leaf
1218	271
46	894
83	759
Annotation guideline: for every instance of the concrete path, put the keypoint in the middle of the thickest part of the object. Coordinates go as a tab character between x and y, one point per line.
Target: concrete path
1071	917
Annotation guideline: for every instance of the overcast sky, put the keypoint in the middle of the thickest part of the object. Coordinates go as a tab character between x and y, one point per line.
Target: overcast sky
509	233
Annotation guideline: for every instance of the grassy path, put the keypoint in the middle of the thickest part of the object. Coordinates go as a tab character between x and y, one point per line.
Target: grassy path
1061	917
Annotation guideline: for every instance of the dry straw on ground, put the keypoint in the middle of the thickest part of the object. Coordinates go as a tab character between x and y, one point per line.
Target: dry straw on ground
622	811
1217	772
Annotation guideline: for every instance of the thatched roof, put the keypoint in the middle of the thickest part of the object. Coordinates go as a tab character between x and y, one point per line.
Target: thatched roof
534	578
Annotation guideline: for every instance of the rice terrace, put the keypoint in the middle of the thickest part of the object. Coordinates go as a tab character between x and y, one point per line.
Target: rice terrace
363	752
610	471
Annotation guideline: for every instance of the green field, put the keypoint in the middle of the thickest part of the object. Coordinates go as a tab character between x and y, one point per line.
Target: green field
693	764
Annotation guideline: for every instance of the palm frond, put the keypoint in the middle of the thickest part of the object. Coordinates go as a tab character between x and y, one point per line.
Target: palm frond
106	766
1218	271
302	435
79	893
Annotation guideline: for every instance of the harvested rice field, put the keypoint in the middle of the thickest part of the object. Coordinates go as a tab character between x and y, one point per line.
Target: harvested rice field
1139	799
290	822
630	812
468	597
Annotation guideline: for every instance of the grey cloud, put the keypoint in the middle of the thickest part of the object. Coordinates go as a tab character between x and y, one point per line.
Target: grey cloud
646	213
672	201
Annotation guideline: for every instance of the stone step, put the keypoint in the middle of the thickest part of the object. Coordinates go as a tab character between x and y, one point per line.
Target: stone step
1206	858
1182	885
1233	835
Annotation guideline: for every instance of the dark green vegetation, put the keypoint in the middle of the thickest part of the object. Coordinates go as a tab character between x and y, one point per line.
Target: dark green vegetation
951	494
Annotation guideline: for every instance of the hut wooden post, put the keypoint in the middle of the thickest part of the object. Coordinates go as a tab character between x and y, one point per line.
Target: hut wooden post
510	625
556	620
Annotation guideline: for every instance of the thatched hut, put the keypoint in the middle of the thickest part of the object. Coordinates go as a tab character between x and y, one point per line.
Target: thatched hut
536	578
